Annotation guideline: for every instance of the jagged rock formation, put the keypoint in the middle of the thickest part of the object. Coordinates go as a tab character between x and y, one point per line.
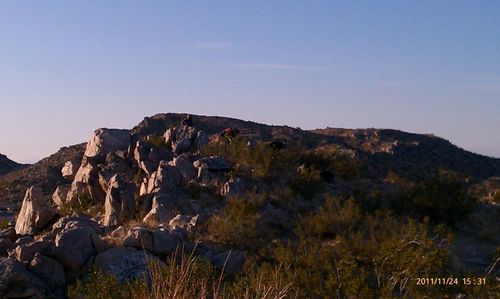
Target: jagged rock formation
36	212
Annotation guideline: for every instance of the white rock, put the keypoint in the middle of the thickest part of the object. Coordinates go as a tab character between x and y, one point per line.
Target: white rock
35	212
105	141
69	170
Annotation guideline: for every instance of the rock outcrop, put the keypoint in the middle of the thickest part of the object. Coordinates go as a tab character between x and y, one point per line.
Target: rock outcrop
36	212
166	179
74	247
184	138
17	282
50	272
105	141
161	210
69	170
120	202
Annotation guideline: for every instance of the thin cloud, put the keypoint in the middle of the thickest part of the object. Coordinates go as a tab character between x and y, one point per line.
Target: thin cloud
275	66
212	45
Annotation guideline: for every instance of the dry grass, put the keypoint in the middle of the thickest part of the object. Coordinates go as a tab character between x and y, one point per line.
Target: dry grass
183	276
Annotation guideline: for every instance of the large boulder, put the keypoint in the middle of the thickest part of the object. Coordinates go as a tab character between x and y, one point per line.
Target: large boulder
26	252
231	261
60	195
139	238
69	170
74	247
87	172
85	186
161	211
201	140
186	168
49	271
165	180
74	222
119	205
213	164
165	243
184	222
148	156
183	139
105	141
113	165
36	212
125	263
17	282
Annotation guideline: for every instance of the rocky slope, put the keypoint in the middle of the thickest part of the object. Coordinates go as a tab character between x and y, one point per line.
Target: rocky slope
7	165
129	196
45	173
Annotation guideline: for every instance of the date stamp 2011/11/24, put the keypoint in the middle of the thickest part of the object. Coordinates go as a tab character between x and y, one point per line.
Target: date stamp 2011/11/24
449	281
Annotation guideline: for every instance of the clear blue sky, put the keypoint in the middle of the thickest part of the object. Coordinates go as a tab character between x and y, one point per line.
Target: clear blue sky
69	67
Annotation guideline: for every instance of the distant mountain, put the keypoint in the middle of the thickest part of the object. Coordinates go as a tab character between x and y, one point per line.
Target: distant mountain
7	165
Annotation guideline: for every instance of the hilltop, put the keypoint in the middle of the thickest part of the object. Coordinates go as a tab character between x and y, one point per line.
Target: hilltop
273	209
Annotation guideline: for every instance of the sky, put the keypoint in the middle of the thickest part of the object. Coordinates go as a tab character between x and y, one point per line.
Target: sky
70	67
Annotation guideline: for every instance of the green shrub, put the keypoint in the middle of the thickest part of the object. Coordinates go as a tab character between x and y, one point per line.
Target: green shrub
307	183
81	203
236	223
4	223
157	140
341	251
98	286
264	160
443	198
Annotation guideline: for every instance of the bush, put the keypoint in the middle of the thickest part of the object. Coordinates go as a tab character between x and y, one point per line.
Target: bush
263	159
341	252
157	141
79	204
236	223
4	223
308	183
443	198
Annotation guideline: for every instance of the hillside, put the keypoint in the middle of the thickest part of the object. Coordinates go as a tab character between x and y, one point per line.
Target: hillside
45	173
7	165
255	210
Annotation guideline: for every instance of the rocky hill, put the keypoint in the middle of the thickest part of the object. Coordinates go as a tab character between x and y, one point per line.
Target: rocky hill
392	150
7	165
258	209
